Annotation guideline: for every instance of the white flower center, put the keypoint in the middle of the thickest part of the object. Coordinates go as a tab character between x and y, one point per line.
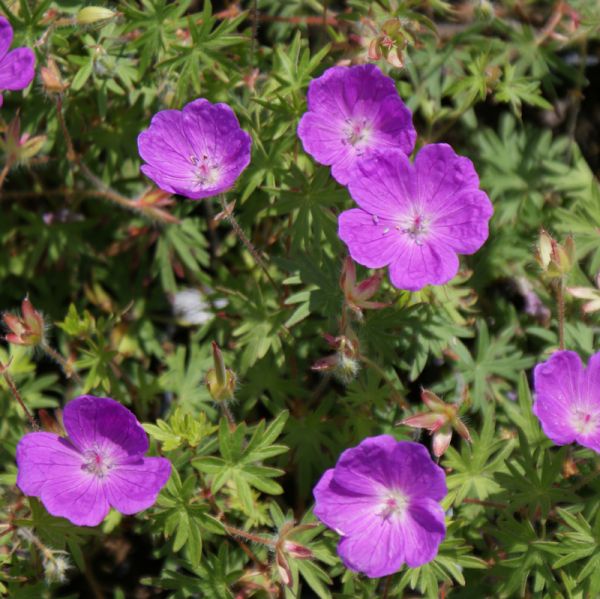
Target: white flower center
584	421
207	172
415	226
393	505
356	132
96	463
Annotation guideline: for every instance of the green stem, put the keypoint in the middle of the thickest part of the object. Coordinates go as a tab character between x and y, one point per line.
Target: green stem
65	366
247	243
15	393
560	300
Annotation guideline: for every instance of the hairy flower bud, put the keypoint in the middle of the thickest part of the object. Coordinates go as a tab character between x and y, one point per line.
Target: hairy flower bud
93	14
221	381
556	260
25	330
51	78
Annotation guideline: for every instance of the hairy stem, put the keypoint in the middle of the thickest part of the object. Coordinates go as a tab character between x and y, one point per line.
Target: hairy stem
228	415
65	366
15	393
4	172
560	300
247	243
249	536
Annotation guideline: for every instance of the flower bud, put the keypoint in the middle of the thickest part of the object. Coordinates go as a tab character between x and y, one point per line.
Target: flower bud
25	330
221	381
51	78
93	14
556	260
20	148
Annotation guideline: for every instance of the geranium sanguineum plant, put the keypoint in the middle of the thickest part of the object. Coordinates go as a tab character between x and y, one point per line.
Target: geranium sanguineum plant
415	218
197	152
383	498
17	67
352	113
101	464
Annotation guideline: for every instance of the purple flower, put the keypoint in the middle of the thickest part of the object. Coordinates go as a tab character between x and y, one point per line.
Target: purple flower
352	112
17	66
567	399
383	497
197	152
416	218
100	465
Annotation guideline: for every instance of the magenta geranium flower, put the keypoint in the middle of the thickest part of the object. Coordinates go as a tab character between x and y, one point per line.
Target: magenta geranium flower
17	66
383	498
197	152
100	464
567	399
415	218
353	112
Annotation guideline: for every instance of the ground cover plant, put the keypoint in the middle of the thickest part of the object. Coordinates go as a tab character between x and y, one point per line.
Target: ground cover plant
300	299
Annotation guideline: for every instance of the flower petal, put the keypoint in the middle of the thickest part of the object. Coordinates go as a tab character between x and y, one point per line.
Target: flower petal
372	241
79	498
6	36
17	69
422	530
557	384
42	457
384	184
105	424
133	487
421	265
376	550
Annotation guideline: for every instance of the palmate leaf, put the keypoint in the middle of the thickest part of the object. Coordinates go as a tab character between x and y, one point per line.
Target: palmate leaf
240	465
495	359
474	469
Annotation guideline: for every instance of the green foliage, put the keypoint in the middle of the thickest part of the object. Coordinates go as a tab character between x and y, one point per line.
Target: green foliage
134	285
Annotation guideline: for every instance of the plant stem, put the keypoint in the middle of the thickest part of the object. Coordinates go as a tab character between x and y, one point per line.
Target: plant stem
386	586
560	300
247	243
15	393
4	172
65	366
228	415
249	536
500	506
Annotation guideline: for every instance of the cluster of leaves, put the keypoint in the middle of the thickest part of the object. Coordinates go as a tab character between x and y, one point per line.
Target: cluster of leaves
138	284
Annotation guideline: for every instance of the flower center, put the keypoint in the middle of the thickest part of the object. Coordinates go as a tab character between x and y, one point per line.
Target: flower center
394	504
206	173
95	463
583	421
416	227
355	132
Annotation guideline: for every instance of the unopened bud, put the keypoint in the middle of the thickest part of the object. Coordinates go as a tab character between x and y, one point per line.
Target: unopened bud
296	550
93	14
555	259
27	329
51	78
221	381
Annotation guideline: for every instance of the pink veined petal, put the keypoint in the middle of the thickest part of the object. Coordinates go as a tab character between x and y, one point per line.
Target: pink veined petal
342	510
6	36
164	146
443	174
17	69
384	185
79	498
169	183
133	487
322	138
42	457
421	265
558	383
462	223
422	530
103	423
413	472
372	241
376	550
